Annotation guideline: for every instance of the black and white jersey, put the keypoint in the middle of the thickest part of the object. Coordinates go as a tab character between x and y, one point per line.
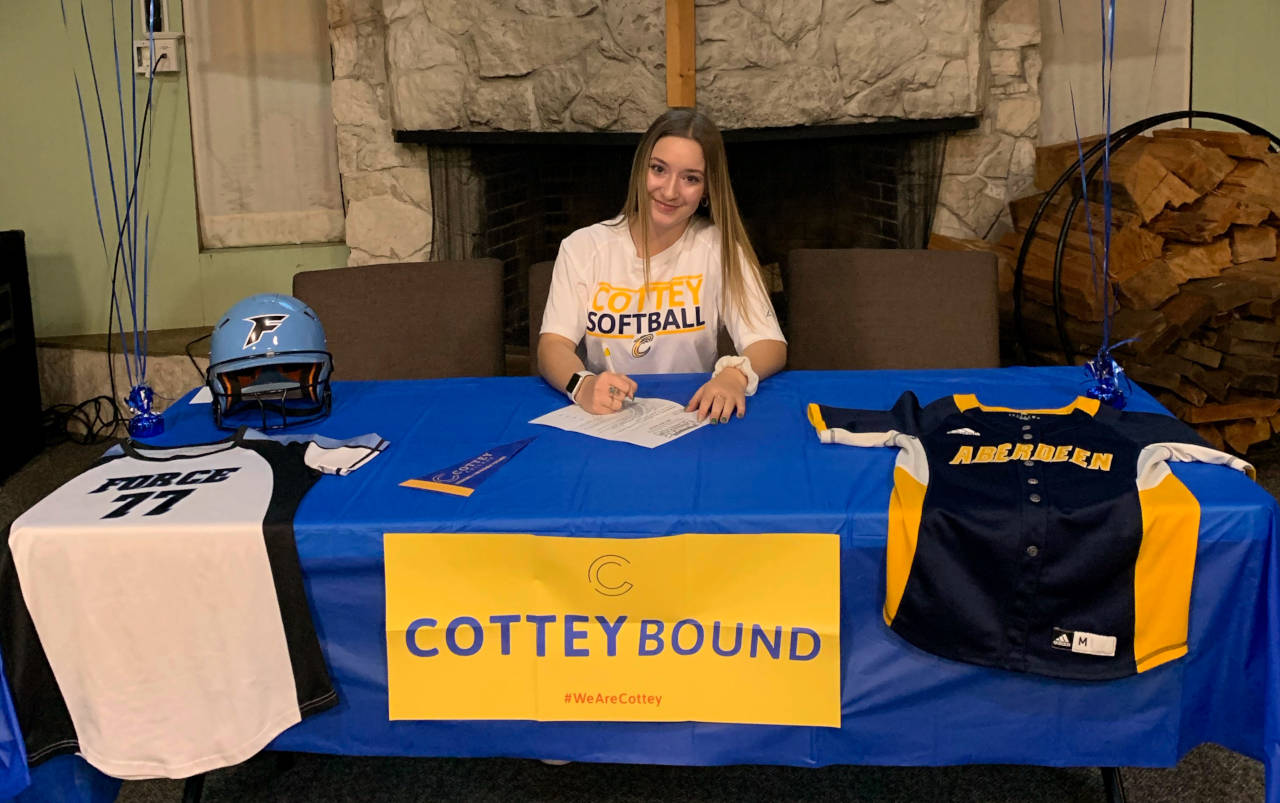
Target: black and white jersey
1056	542
165	589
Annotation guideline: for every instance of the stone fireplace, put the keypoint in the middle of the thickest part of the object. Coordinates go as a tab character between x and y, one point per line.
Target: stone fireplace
495	127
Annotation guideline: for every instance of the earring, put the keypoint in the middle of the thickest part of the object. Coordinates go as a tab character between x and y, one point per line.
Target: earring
706	201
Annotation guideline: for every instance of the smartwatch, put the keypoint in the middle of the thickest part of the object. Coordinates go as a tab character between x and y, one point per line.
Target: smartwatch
574	382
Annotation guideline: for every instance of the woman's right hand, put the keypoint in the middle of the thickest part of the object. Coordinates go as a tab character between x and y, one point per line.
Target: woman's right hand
604	393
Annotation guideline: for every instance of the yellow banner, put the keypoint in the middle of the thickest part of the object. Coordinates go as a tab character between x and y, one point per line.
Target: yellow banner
704	627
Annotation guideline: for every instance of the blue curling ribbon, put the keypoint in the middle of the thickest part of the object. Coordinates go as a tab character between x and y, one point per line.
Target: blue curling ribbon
126	204
145	422
1106	374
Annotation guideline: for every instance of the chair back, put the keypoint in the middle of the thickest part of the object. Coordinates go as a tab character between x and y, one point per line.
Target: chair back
539	289
411	320
870	308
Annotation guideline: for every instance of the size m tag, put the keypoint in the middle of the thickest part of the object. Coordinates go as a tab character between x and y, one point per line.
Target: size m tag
1085	643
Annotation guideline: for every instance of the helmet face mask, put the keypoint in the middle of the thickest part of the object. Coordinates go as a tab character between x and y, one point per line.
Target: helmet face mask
269	365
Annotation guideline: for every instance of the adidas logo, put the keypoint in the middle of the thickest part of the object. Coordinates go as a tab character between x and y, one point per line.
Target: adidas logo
965	431
1063	640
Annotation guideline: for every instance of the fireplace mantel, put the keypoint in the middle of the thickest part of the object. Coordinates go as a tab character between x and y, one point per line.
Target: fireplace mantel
873	128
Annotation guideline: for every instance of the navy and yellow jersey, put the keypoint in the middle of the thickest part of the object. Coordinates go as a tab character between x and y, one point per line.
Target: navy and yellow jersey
1056	542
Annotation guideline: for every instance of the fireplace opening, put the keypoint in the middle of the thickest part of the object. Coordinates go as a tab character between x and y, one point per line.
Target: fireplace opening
516	196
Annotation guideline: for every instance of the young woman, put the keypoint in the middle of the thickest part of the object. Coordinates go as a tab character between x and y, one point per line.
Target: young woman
649	290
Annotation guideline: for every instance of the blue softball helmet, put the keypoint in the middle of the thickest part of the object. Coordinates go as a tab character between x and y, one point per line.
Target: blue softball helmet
269	364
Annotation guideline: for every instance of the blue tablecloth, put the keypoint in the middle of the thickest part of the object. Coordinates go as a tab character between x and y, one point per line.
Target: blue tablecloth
766	473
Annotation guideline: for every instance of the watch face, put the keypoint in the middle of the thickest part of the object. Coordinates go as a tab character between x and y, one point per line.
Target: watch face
573	383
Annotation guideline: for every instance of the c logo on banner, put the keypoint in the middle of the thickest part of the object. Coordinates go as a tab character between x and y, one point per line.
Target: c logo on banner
598	577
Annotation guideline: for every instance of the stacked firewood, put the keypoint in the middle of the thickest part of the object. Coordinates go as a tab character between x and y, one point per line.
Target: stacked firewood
1194	277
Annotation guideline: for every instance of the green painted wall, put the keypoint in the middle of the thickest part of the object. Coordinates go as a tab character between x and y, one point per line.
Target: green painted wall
1234	59
44	182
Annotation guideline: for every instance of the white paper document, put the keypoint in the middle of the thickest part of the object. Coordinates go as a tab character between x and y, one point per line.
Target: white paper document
644	422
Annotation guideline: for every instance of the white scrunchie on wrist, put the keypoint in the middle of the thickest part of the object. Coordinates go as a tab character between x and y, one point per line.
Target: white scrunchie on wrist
742	364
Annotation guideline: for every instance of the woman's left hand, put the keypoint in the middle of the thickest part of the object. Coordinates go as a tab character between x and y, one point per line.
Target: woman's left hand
723	395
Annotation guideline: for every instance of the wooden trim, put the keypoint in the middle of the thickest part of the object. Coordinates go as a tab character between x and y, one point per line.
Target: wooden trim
630	139
681	66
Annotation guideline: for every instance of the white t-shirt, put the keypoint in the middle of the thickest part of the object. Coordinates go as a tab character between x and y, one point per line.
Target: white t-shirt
597	294
165	587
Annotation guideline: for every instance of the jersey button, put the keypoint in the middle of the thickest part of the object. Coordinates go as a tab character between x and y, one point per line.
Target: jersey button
1033	550
1034	497
1027	436
1028	463
1032	481
1026	427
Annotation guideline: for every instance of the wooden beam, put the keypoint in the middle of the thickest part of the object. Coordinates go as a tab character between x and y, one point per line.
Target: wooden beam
681	66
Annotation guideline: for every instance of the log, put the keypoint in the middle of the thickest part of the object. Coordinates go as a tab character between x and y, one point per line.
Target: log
1228	345
1212	435
1199	261
1021	210
1244	348
1243	408
1263	275
1147	183
1041	329
1262	308
1232	143
1172	403
1216	383
1191	393
1053	160
1078	295
1250	214
1188	312
1240	435
1150	331
1190	350
1226	291
1258	383
1149	286
1253	182
1204	220
1252	242
1255	330
1199	167
1165	371
1131	248
1247	365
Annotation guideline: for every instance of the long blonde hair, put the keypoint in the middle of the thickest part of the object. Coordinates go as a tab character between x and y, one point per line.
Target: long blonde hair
723	207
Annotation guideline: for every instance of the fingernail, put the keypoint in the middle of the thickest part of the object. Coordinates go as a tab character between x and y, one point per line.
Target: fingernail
724	420
715	421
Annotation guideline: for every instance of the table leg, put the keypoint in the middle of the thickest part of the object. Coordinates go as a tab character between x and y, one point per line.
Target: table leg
193	789
1113	784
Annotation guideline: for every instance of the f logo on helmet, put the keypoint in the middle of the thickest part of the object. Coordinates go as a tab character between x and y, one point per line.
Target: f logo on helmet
263	325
